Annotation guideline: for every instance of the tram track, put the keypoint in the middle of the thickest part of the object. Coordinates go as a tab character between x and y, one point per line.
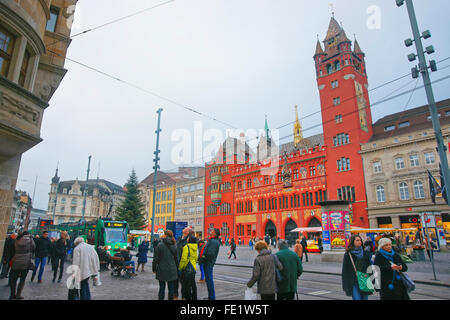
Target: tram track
314	284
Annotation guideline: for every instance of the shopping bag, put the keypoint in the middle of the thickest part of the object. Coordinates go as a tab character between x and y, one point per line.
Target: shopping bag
249	294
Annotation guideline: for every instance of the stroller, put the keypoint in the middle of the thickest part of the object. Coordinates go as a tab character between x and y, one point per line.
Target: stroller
119	270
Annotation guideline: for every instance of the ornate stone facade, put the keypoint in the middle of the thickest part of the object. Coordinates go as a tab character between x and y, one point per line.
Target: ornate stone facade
34	37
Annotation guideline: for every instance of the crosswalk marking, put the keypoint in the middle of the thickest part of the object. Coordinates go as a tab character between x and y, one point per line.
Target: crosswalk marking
318	293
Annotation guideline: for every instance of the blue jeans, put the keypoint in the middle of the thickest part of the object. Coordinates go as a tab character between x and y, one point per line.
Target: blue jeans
85	293
128	263
358	295
37	262
210	281
202	270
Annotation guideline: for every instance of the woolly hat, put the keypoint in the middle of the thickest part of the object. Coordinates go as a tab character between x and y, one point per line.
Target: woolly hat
384	241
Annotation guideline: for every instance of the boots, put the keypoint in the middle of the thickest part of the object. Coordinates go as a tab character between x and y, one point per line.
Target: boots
19	291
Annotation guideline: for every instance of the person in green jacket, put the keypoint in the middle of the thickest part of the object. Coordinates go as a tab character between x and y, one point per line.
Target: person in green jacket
292	269
189	261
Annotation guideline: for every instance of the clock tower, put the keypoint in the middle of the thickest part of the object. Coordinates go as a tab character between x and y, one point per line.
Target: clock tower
346	117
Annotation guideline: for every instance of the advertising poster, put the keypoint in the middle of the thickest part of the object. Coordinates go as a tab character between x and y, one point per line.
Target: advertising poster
326	240
338	240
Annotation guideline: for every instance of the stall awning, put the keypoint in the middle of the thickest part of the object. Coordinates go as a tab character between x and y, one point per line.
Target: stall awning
139	232
311	229
380	230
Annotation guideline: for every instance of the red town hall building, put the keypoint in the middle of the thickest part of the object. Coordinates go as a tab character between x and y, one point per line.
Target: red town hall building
276	189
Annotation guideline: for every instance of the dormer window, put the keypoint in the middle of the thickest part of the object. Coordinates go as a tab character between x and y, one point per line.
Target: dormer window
403	124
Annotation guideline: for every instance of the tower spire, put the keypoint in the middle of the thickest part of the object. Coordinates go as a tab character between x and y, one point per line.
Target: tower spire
266	129
298	134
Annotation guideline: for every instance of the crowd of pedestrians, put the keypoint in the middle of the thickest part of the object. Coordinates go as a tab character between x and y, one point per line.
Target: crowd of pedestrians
176	262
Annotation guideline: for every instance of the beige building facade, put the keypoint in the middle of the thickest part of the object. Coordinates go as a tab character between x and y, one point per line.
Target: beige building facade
396	161
66	200
189	203
33	37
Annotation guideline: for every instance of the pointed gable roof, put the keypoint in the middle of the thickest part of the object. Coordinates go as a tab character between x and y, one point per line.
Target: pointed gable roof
319	49
357	49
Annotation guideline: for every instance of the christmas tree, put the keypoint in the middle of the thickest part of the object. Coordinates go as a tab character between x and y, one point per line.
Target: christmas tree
132	208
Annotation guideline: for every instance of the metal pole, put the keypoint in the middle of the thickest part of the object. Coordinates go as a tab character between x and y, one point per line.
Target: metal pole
423	67
430	248
156	167
85	189
56	199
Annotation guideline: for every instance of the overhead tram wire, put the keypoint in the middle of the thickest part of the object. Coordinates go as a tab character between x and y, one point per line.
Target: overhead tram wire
115	21
354	97
145	90
381	101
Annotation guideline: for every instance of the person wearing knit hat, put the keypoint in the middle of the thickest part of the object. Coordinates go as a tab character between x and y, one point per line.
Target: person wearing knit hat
390	264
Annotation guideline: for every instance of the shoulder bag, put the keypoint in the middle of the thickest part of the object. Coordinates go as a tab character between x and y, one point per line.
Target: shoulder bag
189	270
406	280
364	283
278	275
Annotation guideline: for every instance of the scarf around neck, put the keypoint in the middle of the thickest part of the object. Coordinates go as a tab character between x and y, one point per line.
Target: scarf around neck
358	252
390	256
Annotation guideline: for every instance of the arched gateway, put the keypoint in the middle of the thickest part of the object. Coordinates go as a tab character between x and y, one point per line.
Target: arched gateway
271	229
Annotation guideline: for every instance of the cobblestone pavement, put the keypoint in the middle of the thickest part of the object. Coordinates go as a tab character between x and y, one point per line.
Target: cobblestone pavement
320	281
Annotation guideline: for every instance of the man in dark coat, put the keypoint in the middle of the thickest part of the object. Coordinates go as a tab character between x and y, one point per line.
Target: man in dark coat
165	264
292	269
209	260
304	245
8	253
43	246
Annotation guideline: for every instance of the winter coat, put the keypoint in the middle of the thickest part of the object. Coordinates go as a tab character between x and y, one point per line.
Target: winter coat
292	269
60	248
264	273
298	249
165	261
211	251
399	291
86	258
348	272
8	250
304	244
43	247
142	252
23	253
192	247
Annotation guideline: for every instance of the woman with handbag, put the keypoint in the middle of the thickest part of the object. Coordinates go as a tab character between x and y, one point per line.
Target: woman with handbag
356	261
188	268
21	263
264	271
165	265
391	265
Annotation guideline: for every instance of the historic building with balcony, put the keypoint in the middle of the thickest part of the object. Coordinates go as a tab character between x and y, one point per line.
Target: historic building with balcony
66	199
34	38
396	163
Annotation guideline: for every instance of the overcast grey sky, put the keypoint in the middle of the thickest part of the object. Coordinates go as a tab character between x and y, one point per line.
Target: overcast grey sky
235	60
